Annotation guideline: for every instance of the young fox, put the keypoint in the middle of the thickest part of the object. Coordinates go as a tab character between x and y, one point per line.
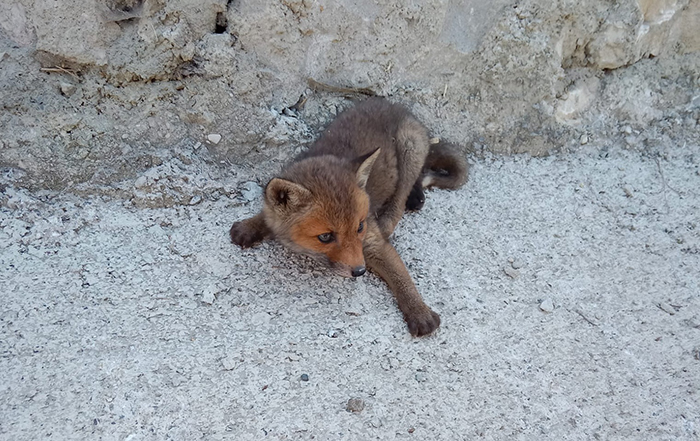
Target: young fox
341	199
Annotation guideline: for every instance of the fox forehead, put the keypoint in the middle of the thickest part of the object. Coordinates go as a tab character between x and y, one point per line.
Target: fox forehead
341	216
337	216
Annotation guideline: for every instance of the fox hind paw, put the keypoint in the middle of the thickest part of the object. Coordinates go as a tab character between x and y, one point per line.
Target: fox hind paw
416	199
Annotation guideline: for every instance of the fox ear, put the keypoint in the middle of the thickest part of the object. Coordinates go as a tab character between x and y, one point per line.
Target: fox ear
285	195
366	162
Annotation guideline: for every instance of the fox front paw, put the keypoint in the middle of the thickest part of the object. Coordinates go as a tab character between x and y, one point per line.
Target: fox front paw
244	235
422	323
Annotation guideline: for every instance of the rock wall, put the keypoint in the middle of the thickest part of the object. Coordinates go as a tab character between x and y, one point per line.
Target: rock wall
99	91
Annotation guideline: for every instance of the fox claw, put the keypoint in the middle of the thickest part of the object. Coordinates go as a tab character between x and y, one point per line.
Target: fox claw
422	323
244	236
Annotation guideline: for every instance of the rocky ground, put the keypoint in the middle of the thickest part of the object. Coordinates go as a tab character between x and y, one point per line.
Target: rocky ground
568	288
133	133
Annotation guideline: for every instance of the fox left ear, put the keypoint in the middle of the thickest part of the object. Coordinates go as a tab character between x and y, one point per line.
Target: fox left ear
366	162
284	195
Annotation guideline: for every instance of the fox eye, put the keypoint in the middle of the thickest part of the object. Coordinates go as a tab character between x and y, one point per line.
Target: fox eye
361	228
326	237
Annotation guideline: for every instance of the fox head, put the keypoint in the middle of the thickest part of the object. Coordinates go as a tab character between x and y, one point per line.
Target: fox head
319	207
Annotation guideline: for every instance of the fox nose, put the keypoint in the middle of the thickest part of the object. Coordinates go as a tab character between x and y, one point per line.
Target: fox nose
358	271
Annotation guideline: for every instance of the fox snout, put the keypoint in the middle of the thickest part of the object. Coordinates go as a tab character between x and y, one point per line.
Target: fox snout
358	271
346	270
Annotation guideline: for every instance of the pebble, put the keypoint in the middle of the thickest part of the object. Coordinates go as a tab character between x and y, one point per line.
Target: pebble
196	199
197	145
547	305
389	363
214	138
584	139
229	363
355	405
141	182
376	423
511	272
627	129
333	333
209	294
304	377
250	191
516	264
67	89
421	377
177	379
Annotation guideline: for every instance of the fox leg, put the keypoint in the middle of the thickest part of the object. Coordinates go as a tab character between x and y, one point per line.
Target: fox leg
248	232
382	258
412	145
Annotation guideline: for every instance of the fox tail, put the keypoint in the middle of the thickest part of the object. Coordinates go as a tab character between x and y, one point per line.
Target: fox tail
445	167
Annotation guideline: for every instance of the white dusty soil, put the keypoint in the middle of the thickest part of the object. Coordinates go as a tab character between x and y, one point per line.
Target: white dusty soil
118	322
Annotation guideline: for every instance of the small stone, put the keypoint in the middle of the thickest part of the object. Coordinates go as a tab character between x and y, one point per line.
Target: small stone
304	377
209	294
333	333
250	191
229	363
511	272
196	199
435	140
389	363
584	139
696	353
355	405
67	89
516	264
125	136
141	182
376	423
197	145
627	129
176	379
214	138
421	377
547	305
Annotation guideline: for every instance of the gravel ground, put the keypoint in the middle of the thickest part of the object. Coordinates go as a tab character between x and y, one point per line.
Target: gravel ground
568	288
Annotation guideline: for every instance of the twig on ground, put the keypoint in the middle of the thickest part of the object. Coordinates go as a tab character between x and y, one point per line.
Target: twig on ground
583	316
60	69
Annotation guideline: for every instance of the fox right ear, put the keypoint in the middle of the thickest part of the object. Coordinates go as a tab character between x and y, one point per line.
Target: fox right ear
283	194
365	167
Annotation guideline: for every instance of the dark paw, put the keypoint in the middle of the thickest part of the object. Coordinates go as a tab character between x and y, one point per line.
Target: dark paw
416	199
245	236
422	323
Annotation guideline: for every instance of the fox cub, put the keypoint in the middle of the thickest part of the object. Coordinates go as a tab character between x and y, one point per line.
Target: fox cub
341	199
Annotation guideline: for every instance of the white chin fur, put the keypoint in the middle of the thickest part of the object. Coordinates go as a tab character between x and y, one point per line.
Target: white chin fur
427	181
